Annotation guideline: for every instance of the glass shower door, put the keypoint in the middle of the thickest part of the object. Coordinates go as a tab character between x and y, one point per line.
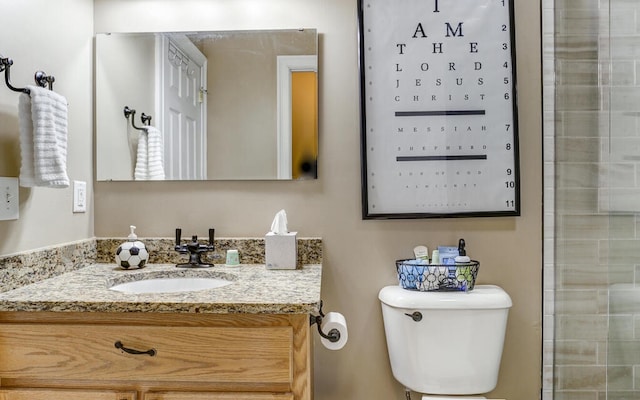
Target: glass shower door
619	53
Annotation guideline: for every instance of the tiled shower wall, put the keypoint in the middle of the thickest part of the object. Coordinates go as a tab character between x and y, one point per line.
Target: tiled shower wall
592	156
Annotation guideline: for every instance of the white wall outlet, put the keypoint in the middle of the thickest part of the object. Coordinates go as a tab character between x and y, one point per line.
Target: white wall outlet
9	199
79	196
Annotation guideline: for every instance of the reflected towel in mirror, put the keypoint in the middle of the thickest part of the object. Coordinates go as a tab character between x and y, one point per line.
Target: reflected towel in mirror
149	157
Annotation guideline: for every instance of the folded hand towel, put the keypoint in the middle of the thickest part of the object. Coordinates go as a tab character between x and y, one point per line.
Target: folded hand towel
149	158
43	138
27	175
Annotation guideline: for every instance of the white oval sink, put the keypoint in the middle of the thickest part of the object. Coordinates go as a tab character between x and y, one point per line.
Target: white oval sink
170	285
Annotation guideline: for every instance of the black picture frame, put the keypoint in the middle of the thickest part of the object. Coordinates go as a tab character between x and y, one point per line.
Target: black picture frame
416	161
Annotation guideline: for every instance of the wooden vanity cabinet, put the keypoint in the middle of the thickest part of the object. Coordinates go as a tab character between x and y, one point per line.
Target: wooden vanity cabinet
73	356
50	394
216	396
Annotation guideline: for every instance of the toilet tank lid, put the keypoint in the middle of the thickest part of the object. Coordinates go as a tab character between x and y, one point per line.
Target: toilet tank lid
481	297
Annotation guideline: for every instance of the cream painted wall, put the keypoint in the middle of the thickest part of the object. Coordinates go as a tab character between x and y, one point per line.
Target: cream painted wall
358	255
55	37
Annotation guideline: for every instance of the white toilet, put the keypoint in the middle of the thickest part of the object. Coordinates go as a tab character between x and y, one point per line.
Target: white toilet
445	344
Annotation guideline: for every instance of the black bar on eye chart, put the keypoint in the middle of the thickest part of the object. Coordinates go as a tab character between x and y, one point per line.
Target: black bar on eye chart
442	158
438	113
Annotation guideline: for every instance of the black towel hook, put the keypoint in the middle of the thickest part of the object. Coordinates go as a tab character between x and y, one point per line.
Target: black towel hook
41	78
44	80
5	65
130	112
146	119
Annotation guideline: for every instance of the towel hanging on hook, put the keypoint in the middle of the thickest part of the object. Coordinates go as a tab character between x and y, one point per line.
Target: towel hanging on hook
42	119
149	163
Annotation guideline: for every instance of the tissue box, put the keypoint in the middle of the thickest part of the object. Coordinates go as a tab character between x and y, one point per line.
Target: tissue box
281	251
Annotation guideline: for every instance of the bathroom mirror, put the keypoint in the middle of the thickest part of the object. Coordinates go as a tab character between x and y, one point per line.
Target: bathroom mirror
232	105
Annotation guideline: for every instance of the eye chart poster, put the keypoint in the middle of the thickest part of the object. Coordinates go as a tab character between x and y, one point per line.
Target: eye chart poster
439	114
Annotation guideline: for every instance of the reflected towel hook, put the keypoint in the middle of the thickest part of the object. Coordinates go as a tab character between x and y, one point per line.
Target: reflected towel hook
130	112
146	119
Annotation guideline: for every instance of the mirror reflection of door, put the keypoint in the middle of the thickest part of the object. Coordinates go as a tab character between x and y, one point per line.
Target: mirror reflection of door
297	105
182	102
304	125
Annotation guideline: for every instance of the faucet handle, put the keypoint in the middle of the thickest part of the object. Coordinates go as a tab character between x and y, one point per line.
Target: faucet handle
194	249
178	234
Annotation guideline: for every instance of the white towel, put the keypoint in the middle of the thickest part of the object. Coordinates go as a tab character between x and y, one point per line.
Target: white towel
43	123
149	158
155	152
141	171
27	175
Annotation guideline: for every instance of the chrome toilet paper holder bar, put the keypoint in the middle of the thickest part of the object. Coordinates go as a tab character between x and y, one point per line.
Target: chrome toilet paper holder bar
333	335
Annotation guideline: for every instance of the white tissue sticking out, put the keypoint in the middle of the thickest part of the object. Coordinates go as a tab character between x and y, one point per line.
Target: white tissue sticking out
334	320
279	224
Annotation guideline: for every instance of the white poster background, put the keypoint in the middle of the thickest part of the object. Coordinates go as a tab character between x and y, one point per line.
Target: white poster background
438	87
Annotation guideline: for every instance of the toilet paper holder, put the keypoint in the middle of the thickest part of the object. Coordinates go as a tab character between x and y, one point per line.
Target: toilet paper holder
333	335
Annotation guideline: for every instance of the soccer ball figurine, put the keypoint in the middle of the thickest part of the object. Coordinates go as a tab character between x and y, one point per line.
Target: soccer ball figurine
133	253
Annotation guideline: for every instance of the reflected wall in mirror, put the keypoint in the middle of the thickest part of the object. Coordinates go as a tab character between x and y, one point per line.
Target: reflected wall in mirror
235	105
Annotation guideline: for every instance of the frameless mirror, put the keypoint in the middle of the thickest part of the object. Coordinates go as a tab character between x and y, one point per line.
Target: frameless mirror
233	105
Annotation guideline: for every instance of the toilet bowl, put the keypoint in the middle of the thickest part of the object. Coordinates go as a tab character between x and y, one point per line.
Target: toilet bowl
444	344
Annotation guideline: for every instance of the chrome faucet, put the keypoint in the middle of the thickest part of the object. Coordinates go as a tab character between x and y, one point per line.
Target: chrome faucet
194	249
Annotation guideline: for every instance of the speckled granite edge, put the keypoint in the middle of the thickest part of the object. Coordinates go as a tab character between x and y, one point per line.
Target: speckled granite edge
251	250
254	290
21	269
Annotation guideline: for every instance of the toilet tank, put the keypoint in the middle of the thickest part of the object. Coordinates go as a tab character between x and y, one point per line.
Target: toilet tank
454	346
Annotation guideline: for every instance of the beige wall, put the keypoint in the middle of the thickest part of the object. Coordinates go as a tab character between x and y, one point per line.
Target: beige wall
55	37
358	255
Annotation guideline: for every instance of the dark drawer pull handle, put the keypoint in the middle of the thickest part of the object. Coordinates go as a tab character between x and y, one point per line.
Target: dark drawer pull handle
119	345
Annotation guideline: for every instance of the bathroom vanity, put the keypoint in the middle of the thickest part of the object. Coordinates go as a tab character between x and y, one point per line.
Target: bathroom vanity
71	337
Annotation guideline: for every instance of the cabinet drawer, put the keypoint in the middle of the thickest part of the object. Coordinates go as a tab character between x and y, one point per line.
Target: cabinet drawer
216	396
184	354
54	394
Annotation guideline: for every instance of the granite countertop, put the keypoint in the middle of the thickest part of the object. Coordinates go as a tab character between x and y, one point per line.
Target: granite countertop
255	290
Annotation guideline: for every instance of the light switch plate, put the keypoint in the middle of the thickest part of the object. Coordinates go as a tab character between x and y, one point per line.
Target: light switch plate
79	196
9	199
